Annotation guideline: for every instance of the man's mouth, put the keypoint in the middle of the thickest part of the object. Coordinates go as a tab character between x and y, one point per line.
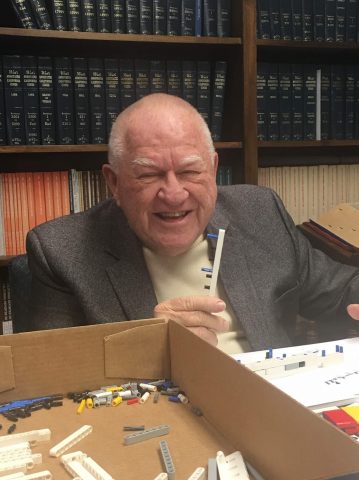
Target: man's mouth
172	215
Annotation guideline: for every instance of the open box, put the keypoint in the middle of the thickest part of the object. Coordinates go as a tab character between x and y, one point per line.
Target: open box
241	411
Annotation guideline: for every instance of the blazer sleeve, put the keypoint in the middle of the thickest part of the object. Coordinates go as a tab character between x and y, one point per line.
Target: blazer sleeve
52	305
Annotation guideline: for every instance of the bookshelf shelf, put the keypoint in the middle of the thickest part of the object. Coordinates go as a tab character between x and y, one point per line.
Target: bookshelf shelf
308	144
314	46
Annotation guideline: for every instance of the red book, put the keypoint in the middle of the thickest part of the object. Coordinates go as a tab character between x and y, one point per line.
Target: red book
19	231
39	198
65	192
30	199
6	212
13	212
56	188
49	197
24	209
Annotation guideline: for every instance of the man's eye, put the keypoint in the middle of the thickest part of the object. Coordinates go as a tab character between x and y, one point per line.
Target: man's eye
147	176
190	172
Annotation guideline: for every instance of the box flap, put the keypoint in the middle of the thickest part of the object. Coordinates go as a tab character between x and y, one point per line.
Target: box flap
141	352
7	377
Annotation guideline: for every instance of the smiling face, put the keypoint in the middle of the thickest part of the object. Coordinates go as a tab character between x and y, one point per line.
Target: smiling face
166	180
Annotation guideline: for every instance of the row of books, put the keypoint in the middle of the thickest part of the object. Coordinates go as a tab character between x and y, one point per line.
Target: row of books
5	305
64	100
308	191
147	17
307	102
28	199
224	175
308	20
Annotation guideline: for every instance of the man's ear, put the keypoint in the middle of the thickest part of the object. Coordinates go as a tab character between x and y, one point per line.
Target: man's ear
215	163
111	179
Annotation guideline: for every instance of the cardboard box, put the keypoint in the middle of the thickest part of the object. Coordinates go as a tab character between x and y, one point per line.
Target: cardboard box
241	411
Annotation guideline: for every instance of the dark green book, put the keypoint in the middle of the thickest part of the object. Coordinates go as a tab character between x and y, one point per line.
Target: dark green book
160	17
340	17
41	14
329	22
224	18
2	109
31	100
351	30
47	100
97	101
319	20
204	89
174	78
263	24
189	82
89	16
262	78
274	19
146	17
59	14
325	102
81	100
349	89
188	17
24	13
158	83
217	101
285	101
337	106
74	20
142	78
285	12
112	88
273	102
173	17
132	16
103	13
118	23
209	27
127	82
14	105
297	101
64	101
309	97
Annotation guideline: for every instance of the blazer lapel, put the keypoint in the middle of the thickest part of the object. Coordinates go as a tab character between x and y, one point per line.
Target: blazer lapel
128	273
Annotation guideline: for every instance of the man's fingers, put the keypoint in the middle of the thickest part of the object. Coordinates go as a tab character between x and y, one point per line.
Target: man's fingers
206	334
353	310
196	319
204	303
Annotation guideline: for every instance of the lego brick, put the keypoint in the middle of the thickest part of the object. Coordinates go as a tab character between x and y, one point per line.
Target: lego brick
146	434
167	460
71	440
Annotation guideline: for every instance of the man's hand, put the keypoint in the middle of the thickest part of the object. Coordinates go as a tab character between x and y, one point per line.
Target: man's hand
197	314
353	310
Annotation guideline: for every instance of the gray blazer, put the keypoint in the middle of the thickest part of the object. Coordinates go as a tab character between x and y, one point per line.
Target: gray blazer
89	268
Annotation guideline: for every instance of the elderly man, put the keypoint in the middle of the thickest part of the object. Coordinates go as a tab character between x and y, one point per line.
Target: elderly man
140	254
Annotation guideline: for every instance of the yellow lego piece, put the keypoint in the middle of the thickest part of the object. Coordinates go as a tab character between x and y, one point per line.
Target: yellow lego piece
116	401
81	406
353	411
89	402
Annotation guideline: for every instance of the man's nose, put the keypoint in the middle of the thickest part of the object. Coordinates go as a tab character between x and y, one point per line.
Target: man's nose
172	191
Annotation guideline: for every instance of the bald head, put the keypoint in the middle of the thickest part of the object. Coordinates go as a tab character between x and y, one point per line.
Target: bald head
148	113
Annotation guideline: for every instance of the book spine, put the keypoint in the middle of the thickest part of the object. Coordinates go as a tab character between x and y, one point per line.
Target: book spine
59	14
2	108
297	101
204	89
337	102
263	24
2	220
160	17
325	102
132	16
217	104
47	101
189	82
31	101
297	20
39	198
319	20
209	18
158	76
118	24
351	32
188	18
307	20
65	192
274	19
330	11
273	102
14	105
24	13
127	83
349	89
174	78
173	17
356	103
262	97
198	18
64	97
41	14
146	17
103	16
97	100
74	15
30	199
17	212
48	196
142	78
6	210
285	101
285	13
340	24
112	92
309	85
88	16
81	100
56	189
224	18
24	210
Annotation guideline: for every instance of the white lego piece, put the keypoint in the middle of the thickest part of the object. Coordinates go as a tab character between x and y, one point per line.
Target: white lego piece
88	463
198	474
78	471
146	434
13	476
161	476
71	440
68	457
145	397
231	467
23	463
167	460
44	475
33	436
217	261
14	452
149	387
